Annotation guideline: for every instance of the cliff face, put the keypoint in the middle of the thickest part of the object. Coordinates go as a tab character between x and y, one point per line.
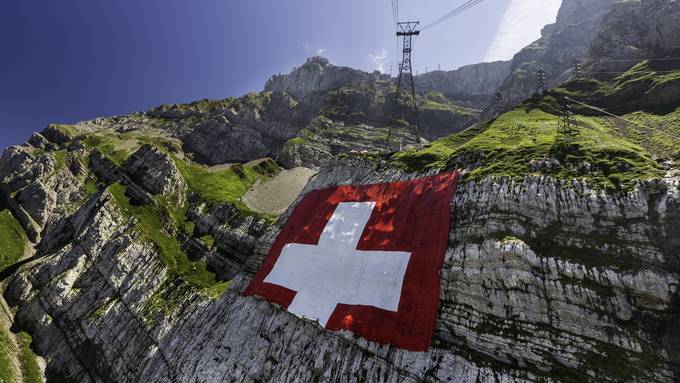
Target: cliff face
318	76
104	307
634	31
472	85
561	44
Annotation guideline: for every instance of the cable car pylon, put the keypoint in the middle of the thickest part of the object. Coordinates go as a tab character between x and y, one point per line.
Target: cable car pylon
405	81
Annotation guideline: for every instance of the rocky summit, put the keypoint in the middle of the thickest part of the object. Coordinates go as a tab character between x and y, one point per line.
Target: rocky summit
126	242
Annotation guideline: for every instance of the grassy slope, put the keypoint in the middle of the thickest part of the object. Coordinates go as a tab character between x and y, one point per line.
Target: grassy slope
6	350
29	365
226	185
28	370
158	224
152	223
12	239
619	153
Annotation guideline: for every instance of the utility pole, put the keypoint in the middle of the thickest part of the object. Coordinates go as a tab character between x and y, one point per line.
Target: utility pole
577	69
405	82
541	80
567	127
498	103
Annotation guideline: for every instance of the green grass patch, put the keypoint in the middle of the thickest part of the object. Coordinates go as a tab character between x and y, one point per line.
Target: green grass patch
222	186
296	141
90	186
99	312
109	147
12	239
216	290
6	349
207	240
68	130
29	365
189	228
446	106
60	157
436	154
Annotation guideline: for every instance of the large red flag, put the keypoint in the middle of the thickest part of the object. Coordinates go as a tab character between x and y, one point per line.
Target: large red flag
364	258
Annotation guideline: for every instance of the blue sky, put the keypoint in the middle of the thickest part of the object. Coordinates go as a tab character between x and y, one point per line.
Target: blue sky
67	61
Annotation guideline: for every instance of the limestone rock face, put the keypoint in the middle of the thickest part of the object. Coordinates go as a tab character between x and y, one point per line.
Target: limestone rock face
155	172
39	187
636	30
318	75
236	236
543	280
247	130
472	85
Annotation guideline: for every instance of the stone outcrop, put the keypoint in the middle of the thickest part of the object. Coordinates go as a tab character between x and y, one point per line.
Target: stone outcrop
235	236
247	130
39	187
318	76
156	172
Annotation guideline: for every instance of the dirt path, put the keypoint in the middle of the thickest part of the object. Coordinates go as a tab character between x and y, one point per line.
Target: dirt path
275	195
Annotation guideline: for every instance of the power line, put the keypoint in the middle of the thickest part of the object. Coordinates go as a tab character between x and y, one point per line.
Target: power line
462	8
638	59
455	12
422	11
623	119
652	71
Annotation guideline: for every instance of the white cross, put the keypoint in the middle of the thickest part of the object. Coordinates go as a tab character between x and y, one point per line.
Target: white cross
334	271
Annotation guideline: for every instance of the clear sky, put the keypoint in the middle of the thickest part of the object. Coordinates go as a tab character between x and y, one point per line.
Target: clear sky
67	61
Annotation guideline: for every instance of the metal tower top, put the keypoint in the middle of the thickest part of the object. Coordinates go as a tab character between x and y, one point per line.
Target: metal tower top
408	28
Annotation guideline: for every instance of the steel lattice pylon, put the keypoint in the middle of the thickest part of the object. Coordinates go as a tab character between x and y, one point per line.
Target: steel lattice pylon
498	103
405	80
567	127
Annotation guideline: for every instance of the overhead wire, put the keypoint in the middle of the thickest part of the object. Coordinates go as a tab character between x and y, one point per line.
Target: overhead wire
395	12
422	10
638	59
655	71
460	9
623	119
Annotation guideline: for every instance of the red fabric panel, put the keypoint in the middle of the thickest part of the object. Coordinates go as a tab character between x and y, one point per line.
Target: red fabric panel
412	216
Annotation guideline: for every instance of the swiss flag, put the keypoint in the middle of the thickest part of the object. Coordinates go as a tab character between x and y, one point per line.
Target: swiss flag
365	259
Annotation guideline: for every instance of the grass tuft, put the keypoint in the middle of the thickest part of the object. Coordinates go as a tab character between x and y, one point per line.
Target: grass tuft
29	365
13	239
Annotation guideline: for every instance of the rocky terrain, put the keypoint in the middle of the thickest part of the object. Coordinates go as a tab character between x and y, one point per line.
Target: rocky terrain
125	242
